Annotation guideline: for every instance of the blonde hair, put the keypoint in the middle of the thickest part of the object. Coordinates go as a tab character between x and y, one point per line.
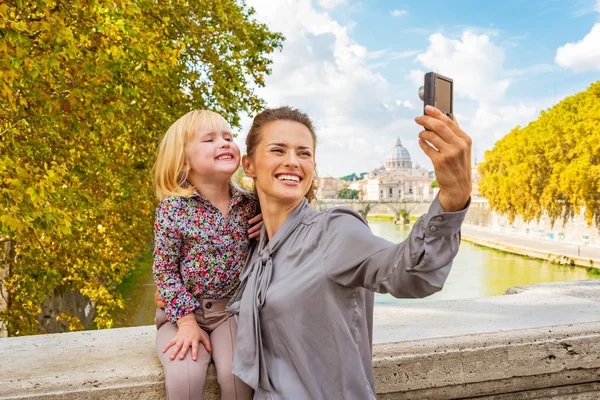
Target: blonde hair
170	174
281	114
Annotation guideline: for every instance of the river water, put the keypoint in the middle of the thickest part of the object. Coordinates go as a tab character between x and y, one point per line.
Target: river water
479	271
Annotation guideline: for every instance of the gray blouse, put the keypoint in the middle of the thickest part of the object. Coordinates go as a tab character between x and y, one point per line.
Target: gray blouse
305	303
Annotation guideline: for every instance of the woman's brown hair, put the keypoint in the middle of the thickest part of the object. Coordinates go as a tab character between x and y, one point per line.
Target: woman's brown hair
281	114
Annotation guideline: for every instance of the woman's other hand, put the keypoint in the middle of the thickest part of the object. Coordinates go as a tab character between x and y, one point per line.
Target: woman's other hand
451	157
255	224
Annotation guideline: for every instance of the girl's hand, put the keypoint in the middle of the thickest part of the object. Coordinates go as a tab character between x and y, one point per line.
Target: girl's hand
188	335
158	300
451	160
255	224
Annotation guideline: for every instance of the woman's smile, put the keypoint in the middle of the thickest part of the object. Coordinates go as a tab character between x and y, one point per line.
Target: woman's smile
289	178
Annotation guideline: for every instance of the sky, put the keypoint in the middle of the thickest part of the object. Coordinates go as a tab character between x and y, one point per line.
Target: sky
355	68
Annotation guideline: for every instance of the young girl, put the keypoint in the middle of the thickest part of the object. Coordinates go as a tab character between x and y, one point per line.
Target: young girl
201	240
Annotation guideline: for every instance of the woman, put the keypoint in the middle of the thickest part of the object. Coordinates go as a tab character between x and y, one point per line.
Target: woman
305	303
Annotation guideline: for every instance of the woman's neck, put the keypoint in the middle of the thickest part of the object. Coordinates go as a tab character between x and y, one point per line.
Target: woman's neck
275	213
215	192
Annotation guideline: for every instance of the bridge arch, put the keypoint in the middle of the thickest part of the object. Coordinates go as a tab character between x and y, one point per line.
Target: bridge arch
400	210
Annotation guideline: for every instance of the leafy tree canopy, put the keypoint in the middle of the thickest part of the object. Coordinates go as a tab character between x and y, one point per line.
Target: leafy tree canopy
88	88
347	193
552	166
353	177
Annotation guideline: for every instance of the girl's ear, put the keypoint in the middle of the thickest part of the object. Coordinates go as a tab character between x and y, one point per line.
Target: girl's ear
248	167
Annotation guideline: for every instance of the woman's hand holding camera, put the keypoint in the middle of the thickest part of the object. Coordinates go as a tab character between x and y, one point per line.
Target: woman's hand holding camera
451	157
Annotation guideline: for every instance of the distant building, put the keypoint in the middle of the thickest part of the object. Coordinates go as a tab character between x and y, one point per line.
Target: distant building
396	179
328	187
402	188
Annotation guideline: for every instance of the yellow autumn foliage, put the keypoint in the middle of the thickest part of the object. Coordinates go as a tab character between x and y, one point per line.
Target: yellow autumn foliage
87	90
551	167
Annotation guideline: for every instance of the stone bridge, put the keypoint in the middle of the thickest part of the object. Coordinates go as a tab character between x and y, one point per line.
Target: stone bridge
400	210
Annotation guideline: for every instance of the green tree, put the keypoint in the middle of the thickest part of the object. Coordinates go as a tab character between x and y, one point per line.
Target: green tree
353	177
434	184
552	166
347	193
88	88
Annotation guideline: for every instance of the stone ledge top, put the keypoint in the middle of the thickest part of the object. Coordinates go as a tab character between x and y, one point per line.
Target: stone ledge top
54	363
529	307
588	290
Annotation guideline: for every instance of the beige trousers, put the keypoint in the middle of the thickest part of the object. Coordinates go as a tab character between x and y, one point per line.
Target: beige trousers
185	378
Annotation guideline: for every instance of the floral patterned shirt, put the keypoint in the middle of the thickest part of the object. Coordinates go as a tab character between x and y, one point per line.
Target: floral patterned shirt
197	252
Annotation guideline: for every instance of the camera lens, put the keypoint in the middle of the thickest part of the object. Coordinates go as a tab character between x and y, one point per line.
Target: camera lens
422	93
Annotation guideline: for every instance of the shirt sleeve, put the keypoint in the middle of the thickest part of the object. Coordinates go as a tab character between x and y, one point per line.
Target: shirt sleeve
167	249
415	267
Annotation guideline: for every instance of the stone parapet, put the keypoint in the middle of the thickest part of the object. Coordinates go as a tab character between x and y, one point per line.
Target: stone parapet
484	354
521	363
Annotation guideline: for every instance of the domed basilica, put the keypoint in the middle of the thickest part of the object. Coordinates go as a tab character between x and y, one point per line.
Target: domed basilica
396	179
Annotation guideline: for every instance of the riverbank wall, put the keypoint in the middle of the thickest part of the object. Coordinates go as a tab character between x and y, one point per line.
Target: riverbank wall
561	253
574	230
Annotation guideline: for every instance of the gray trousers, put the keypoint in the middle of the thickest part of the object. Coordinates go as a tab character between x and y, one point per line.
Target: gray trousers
185	378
